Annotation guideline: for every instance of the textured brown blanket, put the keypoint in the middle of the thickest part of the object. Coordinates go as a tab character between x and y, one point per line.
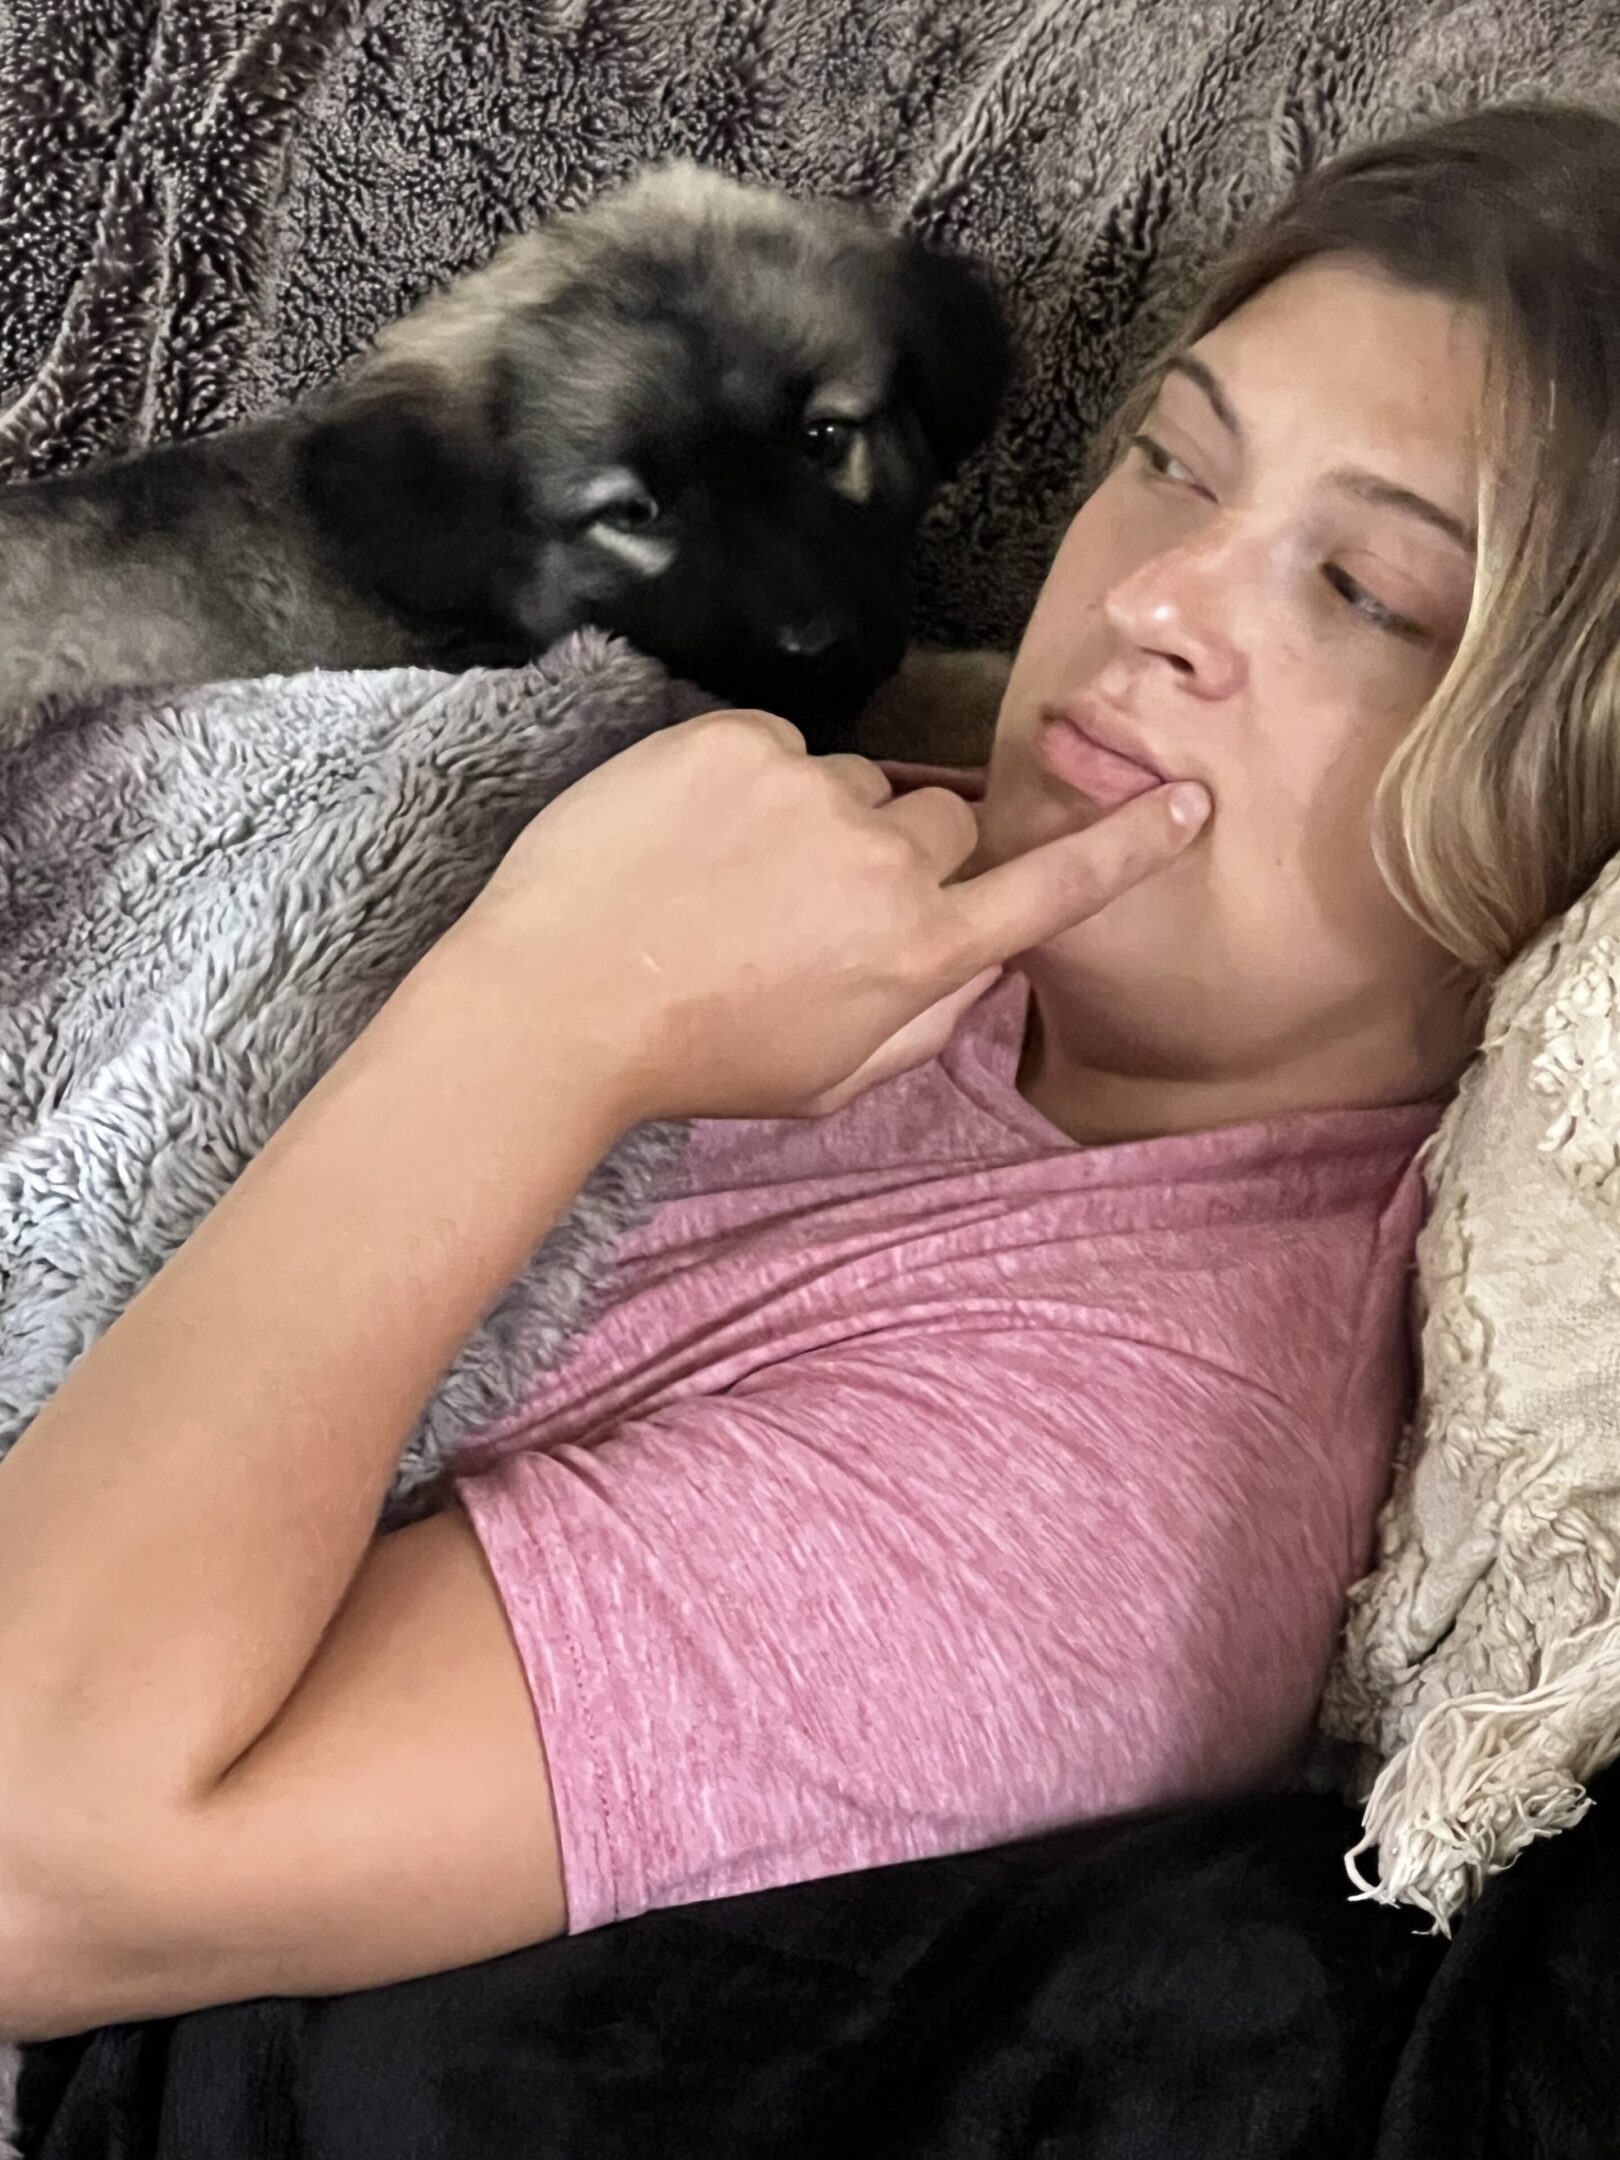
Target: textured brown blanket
207	205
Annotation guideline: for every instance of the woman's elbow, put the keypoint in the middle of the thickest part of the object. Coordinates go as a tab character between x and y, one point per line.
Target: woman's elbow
45	1990
70	1940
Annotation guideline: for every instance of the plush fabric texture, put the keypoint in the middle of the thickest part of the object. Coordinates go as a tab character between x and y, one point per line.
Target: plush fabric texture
207	205
1482	1658
1191	1986
202	902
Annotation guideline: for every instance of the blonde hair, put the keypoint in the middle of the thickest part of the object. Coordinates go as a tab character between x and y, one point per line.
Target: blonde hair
1503	801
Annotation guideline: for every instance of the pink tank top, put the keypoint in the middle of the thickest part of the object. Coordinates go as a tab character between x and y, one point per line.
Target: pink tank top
925	1479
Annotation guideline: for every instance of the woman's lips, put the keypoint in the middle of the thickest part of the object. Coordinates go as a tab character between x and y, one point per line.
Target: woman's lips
1105	772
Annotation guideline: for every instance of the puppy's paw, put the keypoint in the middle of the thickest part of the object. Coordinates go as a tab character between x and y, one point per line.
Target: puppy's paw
940	709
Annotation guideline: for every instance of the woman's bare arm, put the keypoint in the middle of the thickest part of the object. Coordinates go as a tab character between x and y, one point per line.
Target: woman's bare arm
180	1524
243	1749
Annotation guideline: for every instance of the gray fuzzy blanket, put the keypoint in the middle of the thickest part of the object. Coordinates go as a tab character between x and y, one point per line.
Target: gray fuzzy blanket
202	902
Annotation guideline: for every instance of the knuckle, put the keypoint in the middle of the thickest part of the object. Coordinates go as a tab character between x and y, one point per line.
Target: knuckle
850	774
888	851
739	730
966	823
840	781
947	824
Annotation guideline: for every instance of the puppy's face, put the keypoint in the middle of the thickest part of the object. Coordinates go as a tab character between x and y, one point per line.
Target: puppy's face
697	414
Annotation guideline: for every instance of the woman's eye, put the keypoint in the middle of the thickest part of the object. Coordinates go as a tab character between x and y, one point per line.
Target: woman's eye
1369	606
827	441
629	514
1162	463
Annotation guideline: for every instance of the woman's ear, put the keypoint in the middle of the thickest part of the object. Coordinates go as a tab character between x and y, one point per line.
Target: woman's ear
954	350
407	481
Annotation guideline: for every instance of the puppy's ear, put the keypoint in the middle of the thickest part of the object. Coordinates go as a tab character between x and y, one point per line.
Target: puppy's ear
955	352
407	481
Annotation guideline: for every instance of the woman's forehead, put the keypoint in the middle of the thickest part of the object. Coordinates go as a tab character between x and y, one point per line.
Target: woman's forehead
1336	356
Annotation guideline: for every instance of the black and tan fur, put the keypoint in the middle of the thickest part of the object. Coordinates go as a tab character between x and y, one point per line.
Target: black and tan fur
699	414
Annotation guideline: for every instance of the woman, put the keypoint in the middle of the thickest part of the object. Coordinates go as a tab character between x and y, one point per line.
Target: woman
987	1431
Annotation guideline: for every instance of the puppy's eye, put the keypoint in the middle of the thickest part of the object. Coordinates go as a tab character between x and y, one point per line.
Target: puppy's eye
827	441
627	513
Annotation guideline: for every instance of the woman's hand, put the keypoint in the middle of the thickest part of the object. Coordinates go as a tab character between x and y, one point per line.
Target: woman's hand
742	930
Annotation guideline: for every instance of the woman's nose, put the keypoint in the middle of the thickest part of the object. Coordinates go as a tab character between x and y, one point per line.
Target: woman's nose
1179	608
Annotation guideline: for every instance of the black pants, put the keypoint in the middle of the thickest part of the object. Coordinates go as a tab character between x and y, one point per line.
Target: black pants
1191	1984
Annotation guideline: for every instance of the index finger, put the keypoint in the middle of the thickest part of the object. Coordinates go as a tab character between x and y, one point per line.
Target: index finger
1022	903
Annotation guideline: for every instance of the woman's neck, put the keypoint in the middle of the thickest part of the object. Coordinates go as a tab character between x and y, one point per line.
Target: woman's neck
1100	1107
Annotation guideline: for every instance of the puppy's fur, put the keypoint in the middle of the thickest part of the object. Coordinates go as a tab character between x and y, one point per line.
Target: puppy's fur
696	413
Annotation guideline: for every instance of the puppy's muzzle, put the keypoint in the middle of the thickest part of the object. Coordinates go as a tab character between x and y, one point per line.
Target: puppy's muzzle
812	639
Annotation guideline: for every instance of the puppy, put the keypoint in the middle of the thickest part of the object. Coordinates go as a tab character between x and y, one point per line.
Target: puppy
696	413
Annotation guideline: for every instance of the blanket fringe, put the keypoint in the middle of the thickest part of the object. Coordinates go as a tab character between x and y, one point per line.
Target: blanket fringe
1484	1776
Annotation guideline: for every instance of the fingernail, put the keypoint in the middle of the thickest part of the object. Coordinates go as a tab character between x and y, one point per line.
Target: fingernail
1189	804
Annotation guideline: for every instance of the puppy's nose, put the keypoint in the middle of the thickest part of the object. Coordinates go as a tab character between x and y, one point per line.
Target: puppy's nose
809	639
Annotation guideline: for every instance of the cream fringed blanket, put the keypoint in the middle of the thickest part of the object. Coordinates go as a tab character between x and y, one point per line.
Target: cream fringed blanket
1482	1661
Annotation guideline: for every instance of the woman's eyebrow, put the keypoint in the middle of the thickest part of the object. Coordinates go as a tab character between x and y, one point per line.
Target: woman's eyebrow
1207	381
1389	495
1368	487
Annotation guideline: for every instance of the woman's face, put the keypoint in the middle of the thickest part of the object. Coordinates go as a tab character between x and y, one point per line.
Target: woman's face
1260	596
